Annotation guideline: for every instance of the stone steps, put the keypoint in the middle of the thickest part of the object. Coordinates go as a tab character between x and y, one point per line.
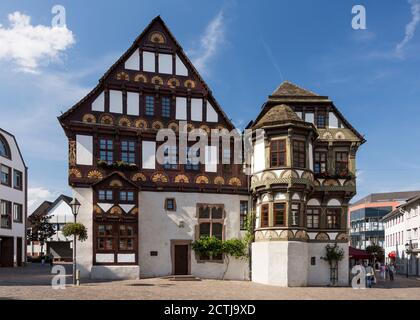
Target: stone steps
186	277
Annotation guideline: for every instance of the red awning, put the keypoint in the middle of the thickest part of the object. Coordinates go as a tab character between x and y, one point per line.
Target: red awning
358	254
392	255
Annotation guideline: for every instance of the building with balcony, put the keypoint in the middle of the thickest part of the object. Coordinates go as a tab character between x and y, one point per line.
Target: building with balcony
365	217
13	202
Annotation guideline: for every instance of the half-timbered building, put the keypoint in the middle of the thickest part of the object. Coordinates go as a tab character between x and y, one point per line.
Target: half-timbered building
302	181
142	215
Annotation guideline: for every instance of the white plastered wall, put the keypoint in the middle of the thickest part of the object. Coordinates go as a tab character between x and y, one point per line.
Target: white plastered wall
157	227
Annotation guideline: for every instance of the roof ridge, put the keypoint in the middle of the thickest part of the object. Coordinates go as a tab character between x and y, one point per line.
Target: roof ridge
287	88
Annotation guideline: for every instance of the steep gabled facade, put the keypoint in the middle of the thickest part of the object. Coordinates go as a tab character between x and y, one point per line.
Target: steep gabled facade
142	215
302	181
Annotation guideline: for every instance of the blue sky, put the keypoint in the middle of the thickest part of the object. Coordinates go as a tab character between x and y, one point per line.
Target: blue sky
244	49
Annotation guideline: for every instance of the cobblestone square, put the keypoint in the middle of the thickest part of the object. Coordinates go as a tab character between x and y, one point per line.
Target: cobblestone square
34	282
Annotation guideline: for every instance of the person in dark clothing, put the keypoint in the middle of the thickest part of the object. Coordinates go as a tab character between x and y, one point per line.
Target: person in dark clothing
51	258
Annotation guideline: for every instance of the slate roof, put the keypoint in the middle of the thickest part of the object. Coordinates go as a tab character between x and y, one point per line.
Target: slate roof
287	88
280	113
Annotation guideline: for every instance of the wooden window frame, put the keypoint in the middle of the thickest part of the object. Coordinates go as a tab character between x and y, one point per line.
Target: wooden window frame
278	148
107	150
336	215
320	162
126	199
321	124
149	105
210	220
299	213
190	166
125	237
313	215
166	204
299	153
166	108
242	214
338	163
106	195
265	216
168	154
128	153
275	222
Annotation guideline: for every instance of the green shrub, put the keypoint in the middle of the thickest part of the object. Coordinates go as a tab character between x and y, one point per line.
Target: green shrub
75	229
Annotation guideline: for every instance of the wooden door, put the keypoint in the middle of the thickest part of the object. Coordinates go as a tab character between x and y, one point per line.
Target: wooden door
6	252
181	259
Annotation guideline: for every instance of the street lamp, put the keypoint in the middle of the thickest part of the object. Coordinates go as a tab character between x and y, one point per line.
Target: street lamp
74	205
408	248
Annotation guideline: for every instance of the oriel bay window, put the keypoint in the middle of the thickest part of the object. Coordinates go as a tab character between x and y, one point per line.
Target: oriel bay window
333	218
106	150
279	214
320	162
128	151
312	217
341	163
299	154
277	153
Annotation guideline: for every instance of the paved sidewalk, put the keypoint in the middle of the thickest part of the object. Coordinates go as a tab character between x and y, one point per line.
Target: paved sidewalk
33	282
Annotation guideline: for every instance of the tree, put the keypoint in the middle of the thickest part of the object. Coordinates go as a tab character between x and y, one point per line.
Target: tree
376	251
41	229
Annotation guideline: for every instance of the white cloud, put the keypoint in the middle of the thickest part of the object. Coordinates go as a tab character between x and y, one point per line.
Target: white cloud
38	195
28	46
210	42
410	28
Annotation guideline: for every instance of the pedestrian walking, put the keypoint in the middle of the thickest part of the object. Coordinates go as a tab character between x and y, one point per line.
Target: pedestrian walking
391	270
369	275
382	271
51	258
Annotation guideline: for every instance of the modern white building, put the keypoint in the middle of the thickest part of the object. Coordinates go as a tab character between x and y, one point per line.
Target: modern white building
402	227
13	202
60	213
